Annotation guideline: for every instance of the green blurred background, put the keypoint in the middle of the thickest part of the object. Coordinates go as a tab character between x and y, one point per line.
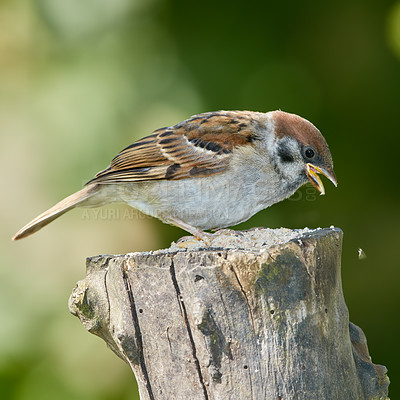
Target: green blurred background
80	80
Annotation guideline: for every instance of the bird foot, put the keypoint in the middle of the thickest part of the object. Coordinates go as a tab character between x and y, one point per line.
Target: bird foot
207	238
187	241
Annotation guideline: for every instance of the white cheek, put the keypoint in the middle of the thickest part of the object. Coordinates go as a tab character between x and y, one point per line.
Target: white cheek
291	171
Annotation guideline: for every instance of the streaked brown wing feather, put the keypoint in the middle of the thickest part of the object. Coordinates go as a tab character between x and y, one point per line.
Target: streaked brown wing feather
199	146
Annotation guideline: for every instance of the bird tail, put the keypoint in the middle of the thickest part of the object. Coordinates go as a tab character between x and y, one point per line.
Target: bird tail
54	212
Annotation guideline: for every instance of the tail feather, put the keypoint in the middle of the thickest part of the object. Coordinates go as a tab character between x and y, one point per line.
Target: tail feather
54	212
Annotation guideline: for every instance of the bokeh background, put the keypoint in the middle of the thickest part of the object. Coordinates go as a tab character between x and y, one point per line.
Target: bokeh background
80	80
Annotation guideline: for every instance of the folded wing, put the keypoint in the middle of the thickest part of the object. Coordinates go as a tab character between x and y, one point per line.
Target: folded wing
198	147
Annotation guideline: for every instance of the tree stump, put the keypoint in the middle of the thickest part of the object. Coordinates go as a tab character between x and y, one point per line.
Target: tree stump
258	315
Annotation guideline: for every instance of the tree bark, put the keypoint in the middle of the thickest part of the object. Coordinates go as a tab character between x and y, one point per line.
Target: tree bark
262	322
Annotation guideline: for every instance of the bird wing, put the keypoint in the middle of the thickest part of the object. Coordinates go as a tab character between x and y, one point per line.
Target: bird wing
197	147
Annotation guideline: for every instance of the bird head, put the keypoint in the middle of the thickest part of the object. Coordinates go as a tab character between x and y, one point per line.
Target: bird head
300	150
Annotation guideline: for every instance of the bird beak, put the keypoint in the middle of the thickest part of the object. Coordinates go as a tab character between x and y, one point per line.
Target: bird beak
312	174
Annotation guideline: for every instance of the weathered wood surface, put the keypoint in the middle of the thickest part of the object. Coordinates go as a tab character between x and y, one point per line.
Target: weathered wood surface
232	324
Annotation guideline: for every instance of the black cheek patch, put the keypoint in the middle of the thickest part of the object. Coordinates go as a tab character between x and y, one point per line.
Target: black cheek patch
285	154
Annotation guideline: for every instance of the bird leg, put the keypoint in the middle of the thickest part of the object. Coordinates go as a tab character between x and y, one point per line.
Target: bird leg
197	233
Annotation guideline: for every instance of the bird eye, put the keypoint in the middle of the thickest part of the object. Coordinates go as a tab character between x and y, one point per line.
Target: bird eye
309	152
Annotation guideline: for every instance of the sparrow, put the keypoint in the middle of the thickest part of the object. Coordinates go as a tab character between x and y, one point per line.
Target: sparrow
211	171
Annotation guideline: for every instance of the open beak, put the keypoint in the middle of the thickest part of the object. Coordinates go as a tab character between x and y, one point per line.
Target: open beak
312	174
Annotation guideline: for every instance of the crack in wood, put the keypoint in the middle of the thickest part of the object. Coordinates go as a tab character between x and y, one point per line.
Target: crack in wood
251	386
245	296
251	318
138	334
169	341
107	294
189	330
